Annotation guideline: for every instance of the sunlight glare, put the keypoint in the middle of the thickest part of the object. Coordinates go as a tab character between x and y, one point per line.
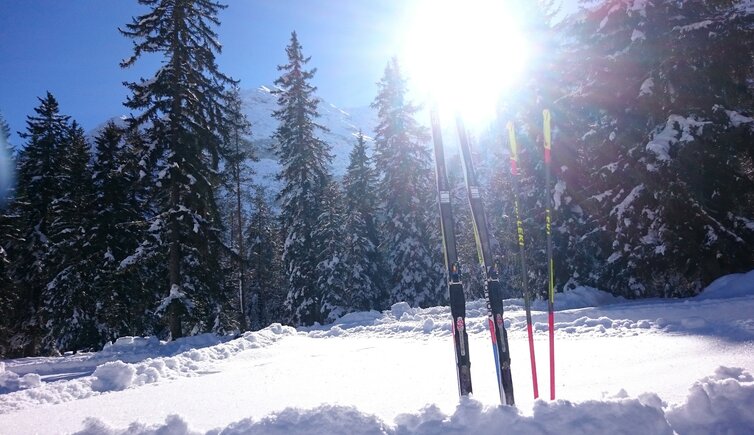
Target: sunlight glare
464	55
6	171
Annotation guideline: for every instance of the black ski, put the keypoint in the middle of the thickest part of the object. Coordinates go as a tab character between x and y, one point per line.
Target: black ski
492	282
455	287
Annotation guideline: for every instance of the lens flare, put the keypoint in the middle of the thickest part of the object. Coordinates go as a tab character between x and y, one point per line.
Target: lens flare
465	55
6	171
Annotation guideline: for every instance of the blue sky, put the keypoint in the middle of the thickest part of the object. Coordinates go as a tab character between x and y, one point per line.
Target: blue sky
72	48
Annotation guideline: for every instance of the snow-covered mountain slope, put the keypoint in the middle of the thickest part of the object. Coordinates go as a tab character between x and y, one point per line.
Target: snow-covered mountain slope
343	126
625	367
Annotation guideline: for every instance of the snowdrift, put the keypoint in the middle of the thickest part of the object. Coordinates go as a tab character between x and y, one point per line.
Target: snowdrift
718	404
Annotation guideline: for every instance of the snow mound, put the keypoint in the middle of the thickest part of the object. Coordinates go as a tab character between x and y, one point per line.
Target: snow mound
113	376
729	286
581	297
401	318
118	375
718	404
125	349
400	309
10	381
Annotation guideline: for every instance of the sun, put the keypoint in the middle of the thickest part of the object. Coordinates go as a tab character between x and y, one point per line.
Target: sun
464	55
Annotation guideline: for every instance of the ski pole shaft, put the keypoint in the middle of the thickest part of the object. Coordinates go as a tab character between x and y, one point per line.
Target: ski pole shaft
520	237
550	264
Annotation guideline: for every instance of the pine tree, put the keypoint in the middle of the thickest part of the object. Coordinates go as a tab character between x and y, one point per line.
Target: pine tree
183	111
362	258
305	165
410	233
33	266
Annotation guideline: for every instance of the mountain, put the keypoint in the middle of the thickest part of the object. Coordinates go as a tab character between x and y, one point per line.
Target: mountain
343	125
258	105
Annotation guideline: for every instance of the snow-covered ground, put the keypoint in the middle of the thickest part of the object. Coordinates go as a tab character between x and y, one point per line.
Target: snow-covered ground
633	367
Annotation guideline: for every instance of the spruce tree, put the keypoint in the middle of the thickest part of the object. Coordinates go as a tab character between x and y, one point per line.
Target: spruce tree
238	151
502	223
332	271
661	92
305	171
538	89
183	109
114	235
410	231
69	302
364	279
266	278
33	266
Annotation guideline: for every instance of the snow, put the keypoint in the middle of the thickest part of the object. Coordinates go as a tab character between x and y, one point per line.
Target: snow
560	188
11	381
620	209
746	7
638	35
717	404
113	376
647	87
729	286
695	26
604	21
678	129
615	256
640	366
343	125
639	6
601	196
736	119
175	294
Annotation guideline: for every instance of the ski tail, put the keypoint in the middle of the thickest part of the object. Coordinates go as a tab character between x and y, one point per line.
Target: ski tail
500	349
521	247
551	267
455	286
460	338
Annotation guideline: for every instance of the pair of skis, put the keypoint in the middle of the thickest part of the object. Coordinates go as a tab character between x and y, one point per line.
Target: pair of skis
493	289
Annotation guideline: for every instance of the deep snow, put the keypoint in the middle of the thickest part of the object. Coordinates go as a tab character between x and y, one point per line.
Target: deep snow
648	366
